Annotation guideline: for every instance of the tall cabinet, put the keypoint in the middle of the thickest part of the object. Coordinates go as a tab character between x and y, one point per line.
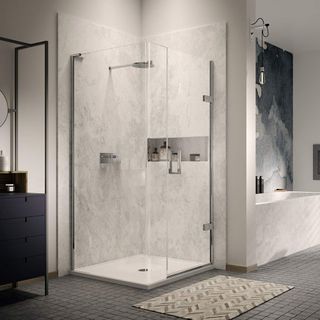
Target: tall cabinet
23	248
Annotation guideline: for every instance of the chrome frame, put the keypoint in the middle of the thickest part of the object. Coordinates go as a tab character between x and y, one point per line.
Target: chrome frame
73	58
210	99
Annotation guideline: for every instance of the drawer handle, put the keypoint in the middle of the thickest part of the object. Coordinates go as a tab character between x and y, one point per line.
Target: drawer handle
25	260
26	219
25	199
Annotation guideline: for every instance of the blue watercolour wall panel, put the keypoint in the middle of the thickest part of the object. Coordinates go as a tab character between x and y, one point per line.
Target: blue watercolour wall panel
274	118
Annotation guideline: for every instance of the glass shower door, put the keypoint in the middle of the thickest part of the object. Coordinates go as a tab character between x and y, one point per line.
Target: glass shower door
157	164
189	180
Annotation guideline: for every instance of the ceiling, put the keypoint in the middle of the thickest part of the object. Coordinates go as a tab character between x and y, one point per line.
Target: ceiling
294	24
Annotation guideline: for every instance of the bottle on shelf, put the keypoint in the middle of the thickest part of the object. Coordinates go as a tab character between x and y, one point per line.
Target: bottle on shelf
257	185
261	184
155	155
165	153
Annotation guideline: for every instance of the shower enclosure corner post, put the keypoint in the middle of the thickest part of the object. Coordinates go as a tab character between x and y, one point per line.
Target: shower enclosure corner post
167	135
71	158
211	157
210	99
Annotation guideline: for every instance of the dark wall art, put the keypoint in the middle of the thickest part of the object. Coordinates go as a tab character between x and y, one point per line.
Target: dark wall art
274	118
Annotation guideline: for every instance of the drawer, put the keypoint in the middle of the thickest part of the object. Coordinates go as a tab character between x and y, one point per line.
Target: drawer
21	248
22	206
22	227
22	269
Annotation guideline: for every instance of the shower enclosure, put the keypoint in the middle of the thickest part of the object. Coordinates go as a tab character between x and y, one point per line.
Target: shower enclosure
141	164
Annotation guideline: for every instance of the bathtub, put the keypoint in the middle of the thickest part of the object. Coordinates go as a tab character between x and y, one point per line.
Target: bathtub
286	223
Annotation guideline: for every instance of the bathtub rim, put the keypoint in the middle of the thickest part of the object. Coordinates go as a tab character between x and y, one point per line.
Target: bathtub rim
306	194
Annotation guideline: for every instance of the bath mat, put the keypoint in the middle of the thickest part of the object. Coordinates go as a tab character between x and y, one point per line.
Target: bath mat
217	298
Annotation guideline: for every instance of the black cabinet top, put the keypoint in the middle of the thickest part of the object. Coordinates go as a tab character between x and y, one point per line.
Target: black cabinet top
6	195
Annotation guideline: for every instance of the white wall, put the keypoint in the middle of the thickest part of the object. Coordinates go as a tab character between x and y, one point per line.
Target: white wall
30	137
166	15
306	117
251	141
6	85
35	20
294	24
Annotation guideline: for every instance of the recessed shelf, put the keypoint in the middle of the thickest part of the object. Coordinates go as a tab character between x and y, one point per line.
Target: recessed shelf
187	146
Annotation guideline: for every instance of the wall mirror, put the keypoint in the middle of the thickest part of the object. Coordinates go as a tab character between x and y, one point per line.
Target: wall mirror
30	121
4	109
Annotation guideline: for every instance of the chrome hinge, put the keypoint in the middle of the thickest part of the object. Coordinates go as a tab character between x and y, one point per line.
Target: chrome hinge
207	226
206	98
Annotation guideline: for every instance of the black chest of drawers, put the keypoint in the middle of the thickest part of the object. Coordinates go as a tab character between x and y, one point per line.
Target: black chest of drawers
22	237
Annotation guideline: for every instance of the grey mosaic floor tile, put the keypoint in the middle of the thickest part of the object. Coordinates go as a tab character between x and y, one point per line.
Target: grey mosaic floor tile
79	298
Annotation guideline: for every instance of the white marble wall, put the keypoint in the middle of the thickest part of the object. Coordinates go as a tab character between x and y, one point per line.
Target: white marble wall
111	202
287	226
109	117
74	35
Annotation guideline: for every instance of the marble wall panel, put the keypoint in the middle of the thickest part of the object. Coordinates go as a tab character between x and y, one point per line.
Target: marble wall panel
74	35
287	226
115	200
109	118
274	99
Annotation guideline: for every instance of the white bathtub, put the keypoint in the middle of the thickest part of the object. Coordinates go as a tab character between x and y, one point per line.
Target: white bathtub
287	222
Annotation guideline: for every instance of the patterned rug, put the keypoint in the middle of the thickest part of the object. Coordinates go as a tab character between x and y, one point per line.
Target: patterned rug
217	298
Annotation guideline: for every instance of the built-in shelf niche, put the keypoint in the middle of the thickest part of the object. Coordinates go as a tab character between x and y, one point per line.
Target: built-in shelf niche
187	145
18	178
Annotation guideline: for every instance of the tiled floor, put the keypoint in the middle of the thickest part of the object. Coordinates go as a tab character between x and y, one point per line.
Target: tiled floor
74	298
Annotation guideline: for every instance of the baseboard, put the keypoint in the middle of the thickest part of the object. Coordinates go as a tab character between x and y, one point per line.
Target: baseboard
51	275
241	269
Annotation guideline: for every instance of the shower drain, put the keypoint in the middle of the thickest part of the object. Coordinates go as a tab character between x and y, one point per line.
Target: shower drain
143	269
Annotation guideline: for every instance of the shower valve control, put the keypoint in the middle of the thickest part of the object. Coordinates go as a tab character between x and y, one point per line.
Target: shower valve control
109	158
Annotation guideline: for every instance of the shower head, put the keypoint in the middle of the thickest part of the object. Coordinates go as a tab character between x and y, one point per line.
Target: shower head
139	65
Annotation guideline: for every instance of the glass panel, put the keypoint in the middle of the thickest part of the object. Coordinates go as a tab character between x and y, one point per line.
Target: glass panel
114	115
157	167
188	185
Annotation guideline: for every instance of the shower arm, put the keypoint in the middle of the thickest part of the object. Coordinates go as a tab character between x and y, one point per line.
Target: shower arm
121	66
